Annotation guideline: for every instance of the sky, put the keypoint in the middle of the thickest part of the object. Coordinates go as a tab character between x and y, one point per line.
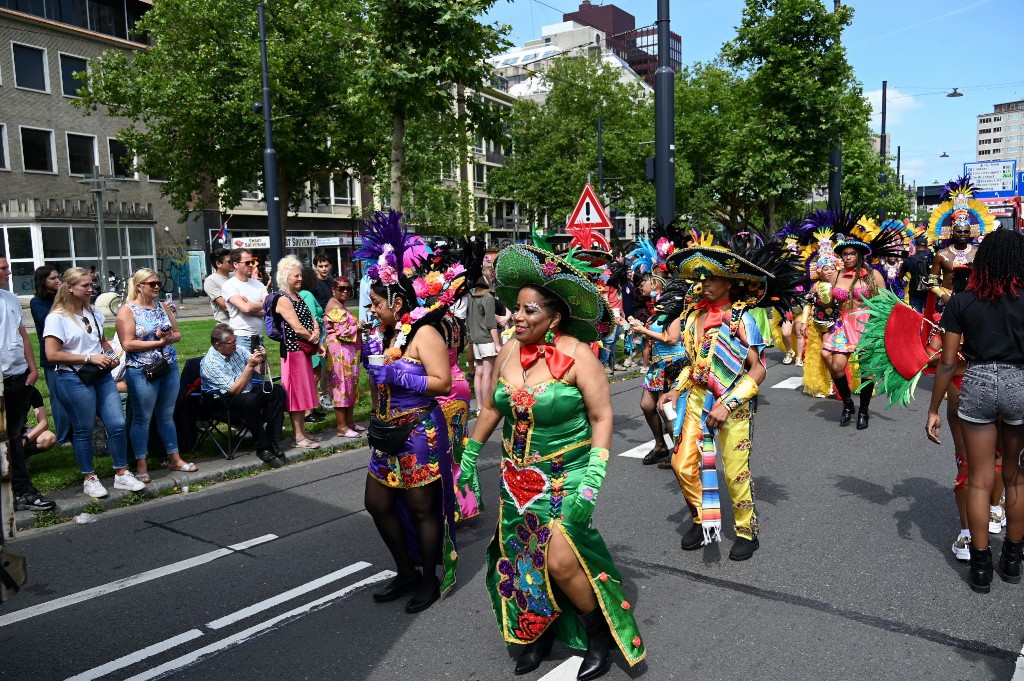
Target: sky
923	48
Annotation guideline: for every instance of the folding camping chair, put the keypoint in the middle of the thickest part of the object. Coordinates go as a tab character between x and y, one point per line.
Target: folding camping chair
209	413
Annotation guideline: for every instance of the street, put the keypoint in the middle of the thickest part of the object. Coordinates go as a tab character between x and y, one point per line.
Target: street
270	576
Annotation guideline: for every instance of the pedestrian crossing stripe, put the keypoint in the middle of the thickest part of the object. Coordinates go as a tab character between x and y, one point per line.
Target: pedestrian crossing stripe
792	383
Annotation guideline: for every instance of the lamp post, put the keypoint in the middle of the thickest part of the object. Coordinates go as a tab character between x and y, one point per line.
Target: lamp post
664	123
882	177
269	158
835	166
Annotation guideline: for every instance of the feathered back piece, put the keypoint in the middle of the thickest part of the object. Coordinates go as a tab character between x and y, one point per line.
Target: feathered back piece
959	207
672	301
783	286
960	186
840	222
880	242
653	250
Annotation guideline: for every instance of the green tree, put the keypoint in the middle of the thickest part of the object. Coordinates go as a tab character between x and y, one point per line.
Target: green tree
801	97
414	53
554	144
862	189
190	97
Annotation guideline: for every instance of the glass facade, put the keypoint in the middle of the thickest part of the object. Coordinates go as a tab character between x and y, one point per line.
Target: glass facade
111	17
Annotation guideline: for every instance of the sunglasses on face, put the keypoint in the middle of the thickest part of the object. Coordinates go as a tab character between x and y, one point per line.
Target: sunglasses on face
343	288
151	284
247	263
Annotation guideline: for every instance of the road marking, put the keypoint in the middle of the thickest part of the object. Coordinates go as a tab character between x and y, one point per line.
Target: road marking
792	382
102	590
1018	670
137	656
286	596
640	451
242	636
566	671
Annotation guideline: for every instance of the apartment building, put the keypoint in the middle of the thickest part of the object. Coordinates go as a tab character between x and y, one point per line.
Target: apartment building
1000	134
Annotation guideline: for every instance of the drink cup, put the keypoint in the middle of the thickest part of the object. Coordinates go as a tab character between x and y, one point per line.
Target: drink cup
375	360
669	410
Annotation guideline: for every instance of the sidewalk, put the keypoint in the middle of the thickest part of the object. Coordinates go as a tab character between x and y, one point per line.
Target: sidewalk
71	501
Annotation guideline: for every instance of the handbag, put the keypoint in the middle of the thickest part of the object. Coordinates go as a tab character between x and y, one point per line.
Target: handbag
307	346
390	438
156	369
91	373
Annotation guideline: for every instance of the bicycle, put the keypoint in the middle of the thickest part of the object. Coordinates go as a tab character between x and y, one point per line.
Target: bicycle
111	301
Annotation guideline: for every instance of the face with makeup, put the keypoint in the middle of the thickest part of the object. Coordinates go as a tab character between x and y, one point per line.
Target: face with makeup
532	318
716	289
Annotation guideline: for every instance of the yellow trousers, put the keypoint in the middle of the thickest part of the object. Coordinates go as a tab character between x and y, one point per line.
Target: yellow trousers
734	442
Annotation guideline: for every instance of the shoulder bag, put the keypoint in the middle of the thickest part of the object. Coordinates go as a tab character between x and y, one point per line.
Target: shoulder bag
89	374
389	438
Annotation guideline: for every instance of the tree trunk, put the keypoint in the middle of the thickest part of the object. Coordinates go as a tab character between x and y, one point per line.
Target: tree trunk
771	215
397	159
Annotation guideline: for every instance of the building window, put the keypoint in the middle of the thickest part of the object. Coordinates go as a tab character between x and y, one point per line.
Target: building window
81	154
120	164
337	189
999	129
479	175
37	151
69	66
156	177
4	164
30	68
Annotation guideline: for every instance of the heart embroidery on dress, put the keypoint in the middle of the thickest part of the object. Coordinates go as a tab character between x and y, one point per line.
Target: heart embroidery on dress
524	485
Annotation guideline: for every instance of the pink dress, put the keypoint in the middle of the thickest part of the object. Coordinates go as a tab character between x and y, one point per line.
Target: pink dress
456	412
342	344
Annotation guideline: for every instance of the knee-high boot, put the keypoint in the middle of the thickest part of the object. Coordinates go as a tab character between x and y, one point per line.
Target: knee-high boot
843	388
597	660
866	390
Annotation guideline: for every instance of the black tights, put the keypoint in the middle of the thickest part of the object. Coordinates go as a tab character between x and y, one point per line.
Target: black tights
422	503
843	388
649	406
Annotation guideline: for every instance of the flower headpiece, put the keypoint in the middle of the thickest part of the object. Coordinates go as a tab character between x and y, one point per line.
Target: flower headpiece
959	207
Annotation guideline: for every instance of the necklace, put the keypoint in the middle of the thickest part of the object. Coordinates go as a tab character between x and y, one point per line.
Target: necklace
960	257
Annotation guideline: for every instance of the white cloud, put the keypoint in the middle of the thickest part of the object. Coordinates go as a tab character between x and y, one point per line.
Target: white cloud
898	104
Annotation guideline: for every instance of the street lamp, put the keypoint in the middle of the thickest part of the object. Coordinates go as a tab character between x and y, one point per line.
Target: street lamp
943	155
955	93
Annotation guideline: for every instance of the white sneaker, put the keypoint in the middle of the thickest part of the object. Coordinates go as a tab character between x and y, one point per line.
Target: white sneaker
962	547
128	482
94	488
996	520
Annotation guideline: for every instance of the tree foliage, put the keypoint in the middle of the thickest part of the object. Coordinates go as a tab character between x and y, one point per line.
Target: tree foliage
554	144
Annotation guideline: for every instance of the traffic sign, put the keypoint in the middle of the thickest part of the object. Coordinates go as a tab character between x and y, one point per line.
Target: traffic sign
589	212
993	179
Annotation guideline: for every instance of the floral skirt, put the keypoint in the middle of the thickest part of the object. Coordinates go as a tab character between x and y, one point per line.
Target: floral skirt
419	464
654	379
845	335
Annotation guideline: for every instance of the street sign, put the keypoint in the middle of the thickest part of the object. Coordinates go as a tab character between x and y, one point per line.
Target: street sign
589	212
993	179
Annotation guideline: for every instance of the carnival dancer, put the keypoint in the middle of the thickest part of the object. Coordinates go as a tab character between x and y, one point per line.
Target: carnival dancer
954	225
988	318
727	365
853	284
661	333
821	311
409	493
547	559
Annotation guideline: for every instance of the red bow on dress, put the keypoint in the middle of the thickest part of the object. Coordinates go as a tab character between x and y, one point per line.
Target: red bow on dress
716	312
558	362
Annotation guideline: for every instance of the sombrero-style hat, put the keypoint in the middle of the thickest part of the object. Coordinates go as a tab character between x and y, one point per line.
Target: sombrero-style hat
704	259
518	265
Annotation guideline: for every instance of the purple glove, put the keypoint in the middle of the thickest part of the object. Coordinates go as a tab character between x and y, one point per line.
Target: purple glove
395	375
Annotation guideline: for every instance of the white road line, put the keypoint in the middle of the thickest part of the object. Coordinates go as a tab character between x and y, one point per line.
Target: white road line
1018	670
137	656
256	630
286	596
95	592
640	451
792	382
564	672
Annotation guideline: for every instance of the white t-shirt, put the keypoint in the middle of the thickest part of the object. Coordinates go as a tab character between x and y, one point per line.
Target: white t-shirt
12	345
73	332
253	291
214	288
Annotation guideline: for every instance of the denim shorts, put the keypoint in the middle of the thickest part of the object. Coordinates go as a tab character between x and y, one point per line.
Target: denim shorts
993	392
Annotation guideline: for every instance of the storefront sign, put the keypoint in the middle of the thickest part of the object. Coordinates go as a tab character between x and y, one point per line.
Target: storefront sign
249	242
328	241
300	242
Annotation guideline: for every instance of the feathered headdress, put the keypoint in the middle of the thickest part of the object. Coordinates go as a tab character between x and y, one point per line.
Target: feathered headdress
386	245
959	207
782	287
879	242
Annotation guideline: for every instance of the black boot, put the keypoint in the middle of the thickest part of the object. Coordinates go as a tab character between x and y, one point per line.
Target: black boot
981	570
843	388
597	660
862	419
1010	568
398	587
744	548
427	593
534	653
867	389
693	539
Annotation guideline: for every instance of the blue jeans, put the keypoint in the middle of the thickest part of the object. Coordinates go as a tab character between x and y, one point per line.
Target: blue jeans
152	399
82	403
61	425
607	351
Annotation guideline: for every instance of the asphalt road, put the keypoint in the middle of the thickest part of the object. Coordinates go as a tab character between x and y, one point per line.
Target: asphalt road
854	579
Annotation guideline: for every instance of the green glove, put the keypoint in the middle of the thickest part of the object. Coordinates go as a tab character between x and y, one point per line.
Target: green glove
582	506
468	476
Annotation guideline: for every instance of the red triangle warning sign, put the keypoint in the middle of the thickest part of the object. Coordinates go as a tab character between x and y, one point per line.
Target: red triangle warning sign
589	212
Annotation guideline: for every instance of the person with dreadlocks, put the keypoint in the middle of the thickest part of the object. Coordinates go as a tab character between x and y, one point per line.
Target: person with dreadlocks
854	283
727	364
661	333
988	320
409	491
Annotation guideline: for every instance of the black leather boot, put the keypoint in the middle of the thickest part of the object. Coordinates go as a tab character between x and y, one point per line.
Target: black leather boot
398	587
428	592
1010	567
981	570
693	539
597	660
847	414
862	419
534	653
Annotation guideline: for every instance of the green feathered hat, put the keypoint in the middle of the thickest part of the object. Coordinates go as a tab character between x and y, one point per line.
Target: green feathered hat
518	265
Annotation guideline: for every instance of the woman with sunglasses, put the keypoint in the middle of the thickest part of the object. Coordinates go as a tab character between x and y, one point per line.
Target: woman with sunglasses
148	334
342	343
73	333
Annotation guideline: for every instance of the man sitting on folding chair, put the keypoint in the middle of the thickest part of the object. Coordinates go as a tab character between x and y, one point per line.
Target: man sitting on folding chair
235	374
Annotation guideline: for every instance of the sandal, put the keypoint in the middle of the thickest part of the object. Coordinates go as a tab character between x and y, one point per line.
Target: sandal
788	359
185	467
359	429
143	478
306	443
799	363
350	433
666	464
655	455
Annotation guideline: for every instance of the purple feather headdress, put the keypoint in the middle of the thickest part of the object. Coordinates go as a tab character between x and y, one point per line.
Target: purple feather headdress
386	241
841	222
961	185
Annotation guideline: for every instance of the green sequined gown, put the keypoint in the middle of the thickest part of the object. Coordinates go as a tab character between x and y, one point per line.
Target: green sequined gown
546	443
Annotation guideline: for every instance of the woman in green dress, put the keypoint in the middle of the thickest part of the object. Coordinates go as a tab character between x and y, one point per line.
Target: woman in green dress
546	558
